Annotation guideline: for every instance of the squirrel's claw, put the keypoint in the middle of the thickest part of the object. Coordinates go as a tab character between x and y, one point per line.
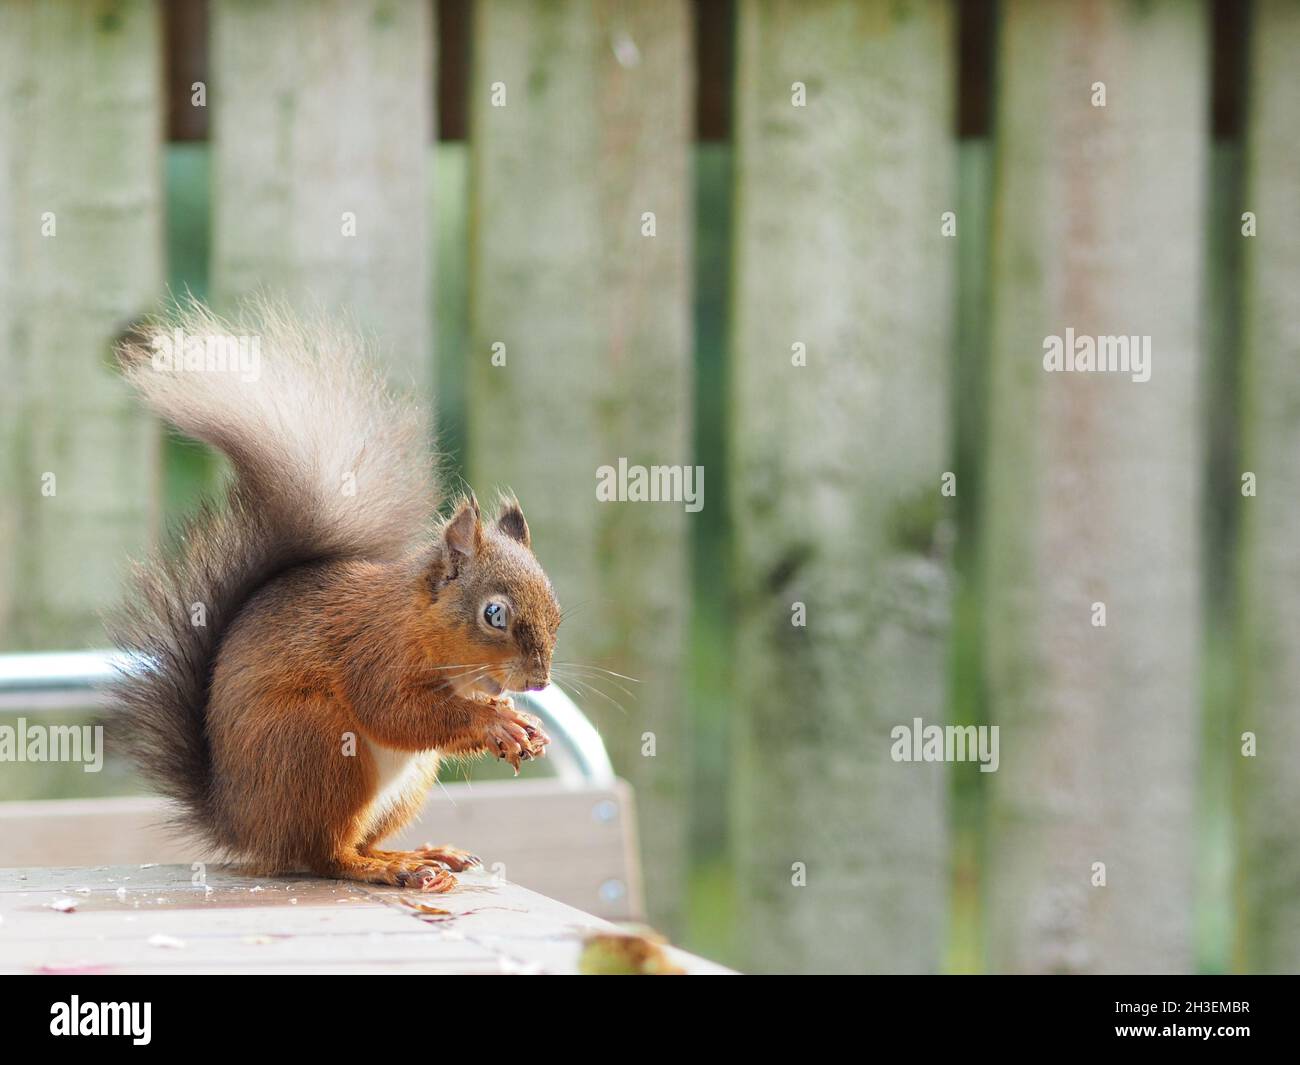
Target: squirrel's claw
453	858
518	736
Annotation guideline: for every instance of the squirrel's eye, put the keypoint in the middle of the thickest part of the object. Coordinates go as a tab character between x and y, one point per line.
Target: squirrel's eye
495	615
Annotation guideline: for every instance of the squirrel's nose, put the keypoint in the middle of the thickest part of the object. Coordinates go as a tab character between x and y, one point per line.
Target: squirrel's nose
538	671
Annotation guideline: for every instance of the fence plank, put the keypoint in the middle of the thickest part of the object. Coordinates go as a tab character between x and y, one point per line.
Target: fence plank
324	108
1093	488
837	477
1269	613
595	323
79	101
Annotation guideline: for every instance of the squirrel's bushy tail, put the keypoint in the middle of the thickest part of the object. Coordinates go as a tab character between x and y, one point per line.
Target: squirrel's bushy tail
327	465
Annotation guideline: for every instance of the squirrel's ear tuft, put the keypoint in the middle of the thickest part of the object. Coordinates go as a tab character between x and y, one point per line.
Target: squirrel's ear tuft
511	521
463	534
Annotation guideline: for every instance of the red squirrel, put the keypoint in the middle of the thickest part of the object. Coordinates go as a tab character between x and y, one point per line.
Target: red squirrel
311	644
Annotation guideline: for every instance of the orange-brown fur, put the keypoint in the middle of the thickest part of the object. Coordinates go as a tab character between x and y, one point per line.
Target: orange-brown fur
337	653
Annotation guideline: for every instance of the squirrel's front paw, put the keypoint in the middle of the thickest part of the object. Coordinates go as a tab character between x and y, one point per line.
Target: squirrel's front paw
515	735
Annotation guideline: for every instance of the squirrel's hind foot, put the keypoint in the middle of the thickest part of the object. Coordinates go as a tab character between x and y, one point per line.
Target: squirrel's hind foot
407	869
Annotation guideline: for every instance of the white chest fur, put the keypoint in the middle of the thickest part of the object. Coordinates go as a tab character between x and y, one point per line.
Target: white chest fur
397	771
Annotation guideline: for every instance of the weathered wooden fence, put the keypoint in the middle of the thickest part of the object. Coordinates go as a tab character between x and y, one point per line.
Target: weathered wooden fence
79	480
321	122
839	445
1269	610
580	341
849	261
1092	542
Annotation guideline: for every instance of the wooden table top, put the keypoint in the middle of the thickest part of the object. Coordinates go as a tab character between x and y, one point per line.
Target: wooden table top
172	919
